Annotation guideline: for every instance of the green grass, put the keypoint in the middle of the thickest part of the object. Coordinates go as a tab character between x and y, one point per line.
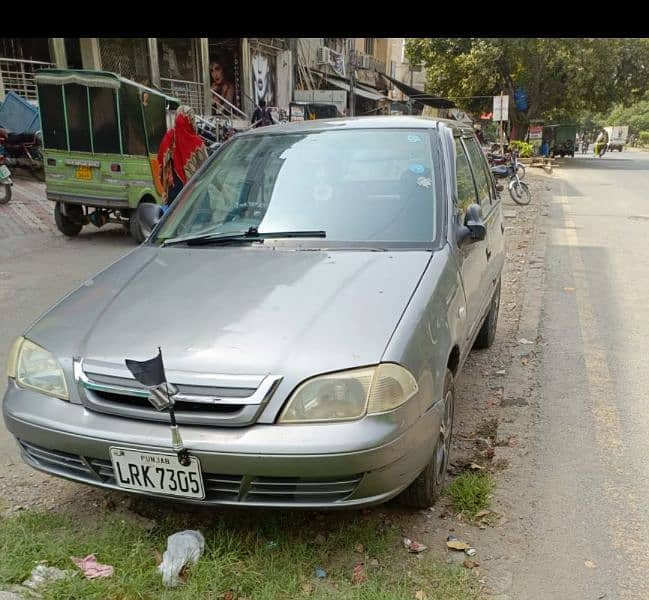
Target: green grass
237	557
471	492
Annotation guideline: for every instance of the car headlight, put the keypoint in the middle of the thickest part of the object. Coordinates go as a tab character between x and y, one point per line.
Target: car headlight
36	368
349	395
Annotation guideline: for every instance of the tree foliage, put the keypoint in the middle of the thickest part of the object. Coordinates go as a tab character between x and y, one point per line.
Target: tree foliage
562	77
635	116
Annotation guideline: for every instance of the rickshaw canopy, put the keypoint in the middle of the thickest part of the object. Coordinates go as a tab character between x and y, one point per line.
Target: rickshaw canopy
101	112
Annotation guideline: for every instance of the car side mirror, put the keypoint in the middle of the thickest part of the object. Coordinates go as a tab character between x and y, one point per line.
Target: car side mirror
148	215
474	229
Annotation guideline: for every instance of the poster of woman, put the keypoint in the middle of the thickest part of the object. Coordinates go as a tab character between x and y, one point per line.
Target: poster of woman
221	81
263	80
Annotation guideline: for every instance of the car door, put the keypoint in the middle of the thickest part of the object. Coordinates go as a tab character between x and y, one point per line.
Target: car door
472	257
492	218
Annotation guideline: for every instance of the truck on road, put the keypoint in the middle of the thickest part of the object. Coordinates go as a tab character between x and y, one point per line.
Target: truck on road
617	136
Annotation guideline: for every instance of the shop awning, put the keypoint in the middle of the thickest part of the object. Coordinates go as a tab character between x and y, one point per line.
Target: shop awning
419	95
359	89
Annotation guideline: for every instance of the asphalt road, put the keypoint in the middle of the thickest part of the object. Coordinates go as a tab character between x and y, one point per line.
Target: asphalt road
589	497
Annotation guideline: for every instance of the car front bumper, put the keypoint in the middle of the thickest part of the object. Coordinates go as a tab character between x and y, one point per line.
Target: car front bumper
316	466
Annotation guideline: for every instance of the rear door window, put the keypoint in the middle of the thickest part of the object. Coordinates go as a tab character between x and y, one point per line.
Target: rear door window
479	167
465	188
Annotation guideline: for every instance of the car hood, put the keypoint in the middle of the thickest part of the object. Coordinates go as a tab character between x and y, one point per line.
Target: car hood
237	310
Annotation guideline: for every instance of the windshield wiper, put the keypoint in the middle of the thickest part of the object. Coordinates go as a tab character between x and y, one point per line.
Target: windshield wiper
242	236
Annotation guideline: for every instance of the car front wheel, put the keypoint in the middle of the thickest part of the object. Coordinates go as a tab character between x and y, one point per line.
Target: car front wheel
426	489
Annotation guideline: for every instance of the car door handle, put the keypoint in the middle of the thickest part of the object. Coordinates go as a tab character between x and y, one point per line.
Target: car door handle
488	252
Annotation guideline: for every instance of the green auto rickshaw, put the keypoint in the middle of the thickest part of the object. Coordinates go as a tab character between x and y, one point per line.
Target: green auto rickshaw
101	134
561	139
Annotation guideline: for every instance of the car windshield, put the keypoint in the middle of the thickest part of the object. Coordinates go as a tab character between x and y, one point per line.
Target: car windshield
357	185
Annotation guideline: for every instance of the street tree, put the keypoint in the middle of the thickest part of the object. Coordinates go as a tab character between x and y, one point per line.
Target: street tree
561	77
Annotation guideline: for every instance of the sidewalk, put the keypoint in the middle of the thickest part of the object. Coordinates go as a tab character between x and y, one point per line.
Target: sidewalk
29	211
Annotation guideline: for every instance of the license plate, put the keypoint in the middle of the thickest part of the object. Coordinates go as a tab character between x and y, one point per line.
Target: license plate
157	472
4	172
83	173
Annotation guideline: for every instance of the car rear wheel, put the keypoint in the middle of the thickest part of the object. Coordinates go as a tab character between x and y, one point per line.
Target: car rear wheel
487	333
426	489
70	223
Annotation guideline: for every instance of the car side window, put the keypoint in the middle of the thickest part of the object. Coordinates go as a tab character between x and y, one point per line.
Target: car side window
479	172
465	188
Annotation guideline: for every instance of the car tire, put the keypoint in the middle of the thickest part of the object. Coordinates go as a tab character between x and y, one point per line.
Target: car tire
69	224
487	333
426	489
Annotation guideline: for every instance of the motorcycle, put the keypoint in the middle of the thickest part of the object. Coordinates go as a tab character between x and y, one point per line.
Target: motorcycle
23	150
518	190
496	160
5	182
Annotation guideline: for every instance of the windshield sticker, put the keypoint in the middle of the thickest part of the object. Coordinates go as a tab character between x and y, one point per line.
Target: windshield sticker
414	138
417	169
424	182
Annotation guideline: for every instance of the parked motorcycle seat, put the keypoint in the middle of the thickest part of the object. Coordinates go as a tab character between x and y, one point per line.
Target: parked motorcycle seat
20	138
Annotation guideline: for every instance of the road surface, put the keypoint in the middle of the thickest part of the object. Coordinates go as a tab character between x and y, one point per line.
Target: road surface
589	500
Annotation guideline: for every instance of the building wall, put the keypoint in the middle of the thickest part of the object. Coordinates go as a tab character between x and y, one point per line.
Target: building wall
402	69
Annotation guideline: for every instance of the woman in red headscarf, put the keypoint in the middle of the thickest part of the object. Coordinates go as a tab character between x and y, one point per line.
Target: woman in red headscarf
181	153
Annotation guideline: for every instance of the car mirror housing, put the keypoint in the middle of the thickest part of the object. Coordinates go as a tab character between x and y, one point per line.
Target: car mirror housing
474	229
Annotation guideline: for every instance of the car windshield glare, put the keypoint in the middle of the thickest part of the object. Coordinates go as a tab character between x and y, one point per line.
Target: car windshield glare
358	185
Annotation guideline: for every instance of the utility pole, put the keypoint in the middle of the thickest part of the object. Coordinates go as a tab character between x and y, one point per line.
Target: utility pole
352	77
502	141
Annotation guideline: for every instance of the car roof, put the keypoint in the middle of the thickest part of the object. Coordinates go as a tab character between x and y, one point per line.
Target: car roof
383	122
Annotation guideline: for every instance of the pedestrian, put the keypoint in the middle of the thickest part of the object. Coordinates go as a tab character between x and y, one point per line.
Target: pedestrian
181	153
262	117
601	142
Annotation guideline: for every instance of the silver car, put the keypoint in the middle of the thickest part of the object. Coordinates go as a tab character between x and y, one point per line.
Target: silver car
314	291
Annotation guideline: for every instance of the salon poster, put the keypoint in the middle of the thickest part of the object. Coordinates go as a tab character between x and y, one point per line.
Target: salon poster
263	77
224	76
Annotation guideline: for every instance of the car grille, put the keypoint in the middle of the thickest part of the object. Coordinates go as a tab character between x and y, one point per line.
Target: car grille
109	389
235	489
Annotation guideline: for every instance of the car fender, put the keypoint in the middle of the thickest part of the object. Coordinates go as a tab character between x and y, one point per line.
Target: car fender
431	326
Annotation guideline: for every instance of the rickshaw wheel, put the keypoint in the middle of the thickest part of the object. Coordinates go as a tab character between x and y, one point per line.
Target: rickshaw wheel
65	224
134	226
